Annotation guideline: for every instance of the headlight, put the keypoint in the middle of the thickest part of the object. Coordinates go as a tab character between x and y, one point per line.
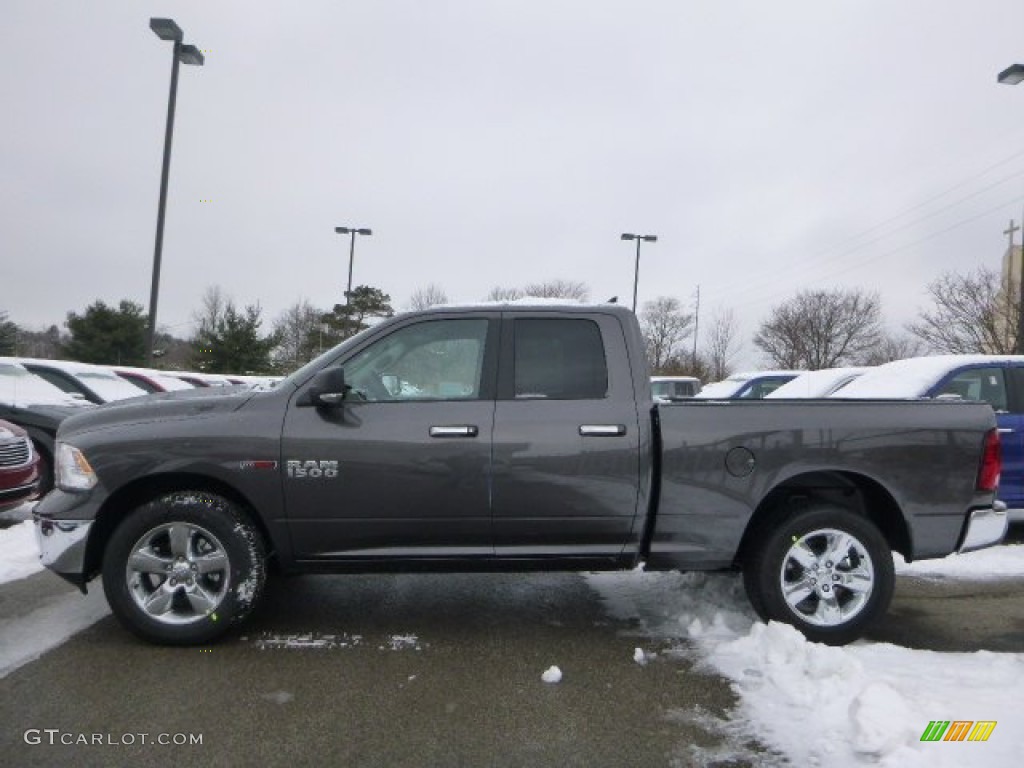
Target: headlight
73	471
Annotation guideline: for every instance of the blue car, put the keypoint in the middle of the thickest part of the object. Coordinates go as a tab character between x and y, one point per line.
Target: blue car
995	379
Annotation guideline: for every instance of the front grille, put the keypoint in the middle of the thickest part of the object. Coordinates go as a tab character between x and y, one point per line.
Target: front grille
14	453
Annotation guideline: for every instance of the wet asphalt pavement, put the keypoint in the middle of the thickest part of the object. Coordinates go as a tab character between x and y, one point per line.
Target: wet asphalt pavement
414	670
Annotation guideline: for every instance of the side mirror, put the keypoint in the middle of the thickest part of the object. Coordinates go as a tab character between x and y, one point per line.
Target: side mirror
327	388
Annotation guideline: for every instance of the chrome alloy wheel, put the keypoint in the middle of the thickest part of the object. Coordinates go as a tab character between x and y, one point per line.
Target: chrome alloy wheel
827	577
178	573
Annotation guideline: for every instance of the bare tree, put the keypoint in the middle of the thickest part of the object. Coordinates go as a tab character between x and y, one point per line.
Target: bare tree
430	296
721	345
665	326
296	327
821	329
212	307
570	290
498	293
891	347
973	313
558	289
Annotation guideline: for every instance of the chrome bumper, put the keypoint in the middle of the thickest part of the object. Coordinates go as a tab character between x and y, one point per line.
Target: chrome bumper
985	527
62	546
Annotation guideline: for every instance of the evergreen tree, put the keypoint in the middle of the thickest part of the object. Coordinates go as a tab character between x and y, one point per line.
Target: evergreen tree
232	343
346	320
8	335
107	336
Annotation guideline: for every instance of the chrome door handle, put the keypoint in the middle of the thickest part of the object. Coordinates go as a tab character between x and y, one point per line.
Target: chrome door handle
1005	431
602	430
461	431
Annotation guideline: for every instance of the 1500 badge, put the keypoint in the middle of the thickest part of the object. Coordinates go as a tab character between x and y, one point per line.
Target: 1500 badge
312	468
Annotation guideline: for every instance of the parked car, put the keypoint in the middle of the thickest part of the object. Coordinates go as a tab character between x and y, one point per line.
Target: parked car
668	388
751	385
38	407
262	382
995	379
150	379
19	466
94	382
813	384
515	438
197	379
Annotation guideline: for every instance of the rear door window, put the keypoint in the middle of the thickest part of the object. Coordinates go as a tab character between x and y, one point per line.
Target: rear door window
986	385
559	359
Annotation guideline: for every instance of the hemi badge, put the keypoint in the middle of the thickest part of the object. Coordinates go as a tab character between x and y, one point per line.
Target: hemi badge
257	464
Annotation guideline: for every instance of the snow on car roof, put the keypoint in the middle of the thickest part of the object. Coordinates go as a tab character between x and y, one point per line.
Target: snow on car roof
730	386
816	383
913	376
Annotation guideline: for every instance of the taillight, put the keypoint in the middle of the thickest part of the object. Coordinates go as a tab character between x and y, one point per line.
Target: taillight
991	463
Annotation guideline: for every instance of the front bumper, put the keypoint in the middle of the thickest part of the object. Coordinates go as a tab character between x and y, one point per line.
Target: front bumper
62	546
984	528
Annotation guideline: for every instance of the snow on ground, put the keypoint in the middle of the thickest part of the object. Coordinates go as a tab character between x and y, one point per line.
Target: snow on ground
28	637
864	704
983	565
19	556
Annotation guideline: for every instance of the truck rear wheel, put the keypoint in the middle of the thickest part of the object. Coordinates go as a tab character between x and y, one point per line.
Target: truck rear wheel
184	568
825	570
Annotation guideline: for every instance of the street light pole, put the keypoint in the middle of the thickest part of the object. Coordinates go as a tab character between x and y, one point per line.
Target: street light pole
1011	76
353	231
636	269
166	29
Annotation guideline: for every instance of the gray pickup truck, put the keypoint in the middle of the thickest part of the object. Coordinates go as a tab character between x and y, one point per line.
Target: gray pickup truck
513	438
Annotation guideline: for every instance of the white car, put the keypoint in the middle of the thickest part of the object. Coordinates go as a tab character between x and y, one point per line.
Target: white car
95	383
668	388
816	384
751	385
150	379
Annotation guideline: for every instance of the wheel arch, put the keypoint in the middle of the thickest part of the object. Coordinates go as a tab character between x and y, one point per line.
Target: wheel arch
145	489
858	493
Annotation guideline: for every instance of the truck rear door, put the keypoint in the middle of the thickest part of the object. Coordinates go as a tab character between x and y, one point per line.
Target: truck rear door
566	437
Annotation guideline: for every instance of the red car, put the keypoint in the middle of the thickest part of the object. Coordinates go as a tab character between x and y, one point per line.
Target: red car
19	466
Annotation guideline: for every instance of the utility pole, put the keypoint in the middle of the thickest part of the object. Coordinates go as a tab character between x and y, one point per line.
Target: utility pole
696	327
1015	290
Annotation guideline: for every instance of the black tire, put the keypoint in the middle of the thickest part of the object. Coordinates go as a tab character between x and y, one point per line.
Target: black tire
184	568
824	570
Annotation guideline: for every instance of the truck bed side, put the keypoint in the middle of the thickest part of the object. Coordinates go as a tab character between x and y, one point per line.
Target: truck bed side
725	465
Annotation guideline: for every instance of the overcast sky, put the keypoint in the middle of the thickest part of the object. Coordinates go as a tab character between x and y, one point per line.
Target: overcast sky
771	147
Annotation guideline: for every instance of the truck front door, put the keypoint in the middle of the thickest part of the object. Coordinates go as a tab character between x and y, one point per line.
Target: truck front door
402	467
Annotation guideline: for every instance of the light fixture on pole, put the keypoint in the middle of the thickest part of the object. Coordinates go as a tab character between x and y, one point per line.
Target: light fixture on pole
351	251
166	29
636	271
1011	76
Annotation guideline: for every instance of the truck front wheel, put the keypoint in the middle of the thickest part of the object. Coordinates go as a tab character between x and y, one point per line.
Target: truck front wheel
184	568
825	570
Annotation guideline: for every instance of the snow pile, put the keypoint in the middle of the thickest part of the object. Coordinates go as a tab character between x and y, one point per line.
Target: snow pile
19	555
867	703
993	563
552	675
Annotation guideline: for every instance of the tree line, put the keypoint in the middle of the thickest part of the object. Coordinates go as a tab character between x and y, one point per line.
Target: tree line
967	313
